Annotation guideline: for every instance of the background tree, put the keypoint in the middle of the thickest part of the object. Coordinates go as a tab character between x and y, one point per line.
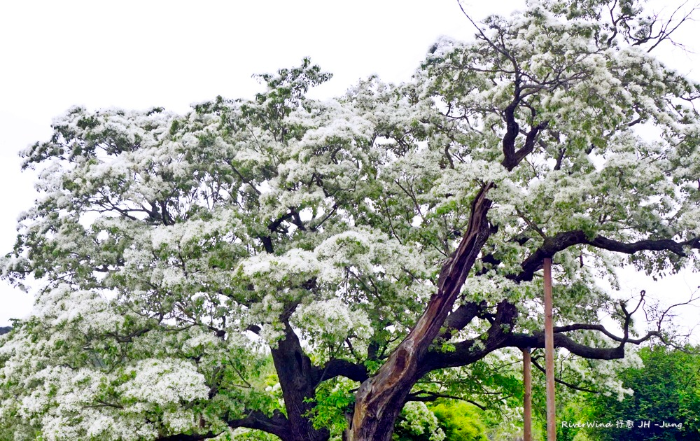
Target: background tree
459	421
666	390
380	248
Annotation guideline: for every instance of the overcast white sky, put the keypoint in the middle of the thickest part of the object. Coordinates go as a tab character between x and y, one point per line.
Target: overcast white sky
139	54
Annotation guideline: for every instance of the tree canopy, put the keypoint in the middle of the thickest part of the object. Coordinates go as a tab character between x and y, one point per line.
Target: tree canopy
307	267
666	394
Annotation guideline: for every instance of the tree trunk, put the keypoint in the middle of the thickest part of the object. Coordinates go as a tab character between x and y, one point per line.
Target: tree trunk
296	376
380	398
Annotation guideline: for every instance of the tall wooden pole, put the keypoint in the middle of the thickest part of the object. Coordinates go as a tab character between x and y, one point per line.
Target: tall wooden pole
549	350
527	404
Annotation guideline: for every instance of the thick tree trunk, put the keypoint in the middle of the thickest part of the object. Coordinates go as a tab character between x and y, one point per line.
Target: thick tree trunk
381	398
296	376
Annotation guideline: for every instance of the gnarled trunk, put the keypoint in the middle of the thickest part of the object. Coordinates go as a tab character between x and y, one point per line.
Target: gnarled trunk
381	398
296	376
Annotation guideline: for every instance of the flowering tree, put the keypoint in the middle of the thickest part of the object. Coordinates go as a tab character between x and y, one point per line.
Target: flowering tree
305	268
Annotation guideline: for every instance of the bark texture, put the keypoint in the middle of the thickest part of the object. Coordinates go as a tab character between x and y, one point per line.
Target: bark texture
381	398
296	375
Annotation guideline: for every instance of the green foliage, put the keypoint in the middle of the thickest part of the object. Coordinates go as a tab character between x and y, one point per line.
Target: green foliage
177	254
249	435
460	421
666	390
572	411
333	402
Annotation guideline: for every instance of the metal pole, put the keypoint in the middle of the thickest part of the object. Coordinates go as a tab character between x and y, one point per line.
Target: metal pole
549	350
527	404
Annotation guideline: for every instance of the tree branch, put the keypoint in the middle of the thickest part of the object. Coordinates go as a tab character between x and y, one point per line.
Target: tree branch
432	396
500	336
339	367
562	241
467	351
273	226
460	317
277	424
569	385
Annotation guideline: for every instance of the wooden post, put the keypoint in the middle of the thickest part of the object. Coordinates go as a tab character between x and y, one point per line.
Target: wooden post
527	399
549	350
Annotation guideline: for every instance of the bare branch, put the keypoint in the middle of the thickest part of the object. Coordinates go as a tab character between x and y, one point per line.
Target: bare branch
560	381
426	396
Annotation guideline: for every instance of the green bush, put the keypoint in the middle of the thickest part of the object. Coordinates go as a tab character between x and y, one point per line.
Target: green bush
460	421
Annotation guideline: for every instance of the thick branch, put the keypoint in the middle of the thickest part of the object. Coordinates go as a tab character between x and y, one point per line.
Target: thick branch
563	341
277	424
499	336
182	437
467	352
343	368
512	130
426	396
381	397
460	317
562	241
273	226
588	327
512	157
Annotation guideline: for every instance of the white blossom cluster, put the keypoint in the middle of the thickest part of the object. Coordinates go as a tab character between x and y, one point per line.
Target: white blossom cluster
176	255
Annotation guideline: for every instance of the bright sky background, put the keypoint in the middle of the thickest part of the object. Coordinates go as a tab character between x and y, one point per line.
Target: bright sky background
140	54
